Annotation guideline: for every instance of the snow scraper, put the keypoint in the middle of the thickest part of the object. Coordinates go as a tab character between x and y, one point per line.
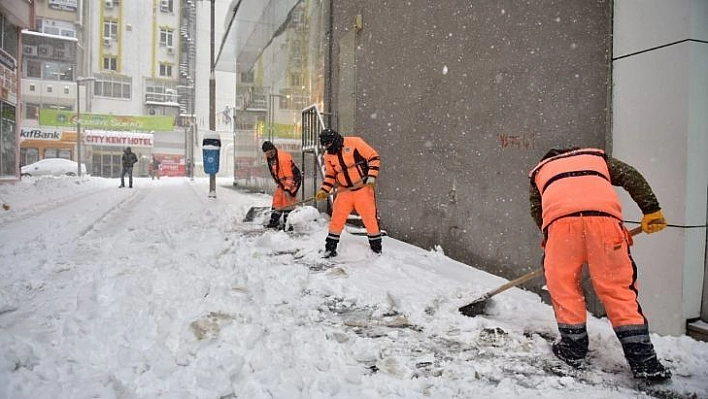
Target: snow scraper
478	306
257	211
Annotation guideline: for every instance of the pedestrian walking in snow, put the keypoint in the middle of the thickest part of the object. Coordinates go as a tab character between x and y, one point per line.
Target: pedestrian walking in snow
353	166
574	204
287	178
155	168
128	160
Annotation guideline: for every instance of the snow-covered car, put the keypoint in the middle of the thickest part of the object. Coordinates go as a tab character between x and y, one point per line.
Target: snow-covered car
52	167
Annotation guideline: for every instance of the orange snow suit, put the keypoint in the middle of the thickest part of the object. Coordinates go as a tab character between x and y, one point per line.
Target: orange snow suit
582	221
350	169
287	177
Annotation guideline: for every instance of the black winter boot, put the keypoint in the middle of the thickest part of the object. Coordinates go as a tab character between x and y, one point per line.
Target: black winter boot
375	243
274	220
573	345
331	245
640	354
285	221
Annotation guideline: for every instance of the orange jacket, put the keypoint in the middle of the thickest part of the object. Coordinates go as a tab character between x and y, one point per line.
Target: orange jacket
285	173
575	181
351	166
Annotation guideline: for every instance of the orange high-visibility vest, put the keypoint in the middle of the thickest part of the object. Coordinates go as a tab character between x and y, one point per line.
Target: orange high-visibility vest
350	166
575	181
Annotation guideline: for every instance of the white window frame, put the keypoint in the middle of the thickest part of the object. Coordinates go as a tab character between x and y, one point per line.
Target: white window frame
110	29
167	37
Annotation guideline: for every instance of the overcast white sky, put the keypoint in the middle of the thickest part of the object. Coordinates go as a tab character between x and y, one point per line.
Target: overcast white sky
160	292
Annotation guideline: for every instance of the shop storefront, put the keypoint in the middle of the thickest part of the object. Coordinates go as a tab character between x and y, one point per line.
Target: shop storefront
36	144
8	116
104	150
106	136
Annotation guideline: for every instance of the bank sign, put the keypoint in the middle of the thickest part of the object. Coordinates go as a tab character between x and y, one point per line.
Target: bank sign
53	117
40	134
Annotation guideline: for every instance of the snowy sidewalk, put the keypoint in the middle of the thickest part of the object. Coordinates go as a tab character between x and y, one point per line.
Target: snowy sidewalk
160	292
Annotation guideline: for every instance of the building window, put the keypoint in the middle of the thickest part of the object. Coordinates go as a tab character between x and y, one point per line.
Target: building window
160	91
32	111
56	27
63	5
167	37
165	70
110	29
112	86
166	6
58	71
33	69
110	63
295	79
247	77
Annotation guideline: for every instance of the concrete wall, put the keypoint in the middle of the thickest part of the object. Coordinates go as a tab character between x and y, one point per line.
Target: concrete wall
660	125
462	100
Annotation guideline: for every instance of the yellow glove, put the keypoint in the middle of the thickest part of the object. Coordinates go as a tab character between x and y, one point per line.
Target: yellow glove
321	195
371	181
653	222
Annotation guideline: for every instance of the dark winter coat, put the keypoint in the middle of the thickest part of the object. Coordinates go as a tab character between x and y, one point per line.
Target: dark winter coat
129	159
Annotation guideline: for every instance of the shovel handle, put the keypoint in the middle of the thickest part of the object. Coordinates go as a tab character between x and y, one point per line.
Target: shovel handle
294	204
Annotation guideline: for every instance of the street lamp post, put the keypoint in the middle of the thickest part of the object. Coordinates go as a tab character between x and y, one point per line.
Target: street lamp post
79	80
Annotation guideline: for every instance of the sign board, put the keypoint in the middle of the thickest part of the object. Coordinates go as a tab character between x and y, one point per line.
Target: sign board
54	117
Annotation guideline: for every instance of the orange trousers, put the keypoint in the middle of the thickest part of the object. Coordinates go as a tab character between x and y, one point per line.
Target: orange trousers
603	244
363	201
282	199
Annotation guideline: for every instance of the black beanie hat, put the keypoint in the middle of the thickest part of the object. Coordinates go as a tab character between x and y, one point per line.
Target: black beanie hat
267	145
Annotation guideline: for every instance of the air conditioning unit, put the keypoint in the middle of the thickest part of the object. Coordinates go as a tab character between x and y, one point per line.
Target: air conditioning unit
170	51
108	4
107	42
29	50
44	50
60	53
164	5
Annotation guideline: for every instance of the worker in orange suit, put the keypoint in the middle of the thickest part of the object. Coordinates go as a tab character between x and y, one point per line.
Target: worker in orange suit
575	205
287	178
353	166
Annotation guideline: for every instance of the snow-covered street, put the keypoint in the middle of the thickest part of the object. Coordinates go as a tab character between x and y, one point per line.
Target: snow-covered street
158	291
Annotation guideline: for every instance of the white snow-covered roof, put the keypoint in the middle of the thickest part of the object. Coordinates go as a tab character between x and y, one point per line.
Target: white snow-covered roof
48	35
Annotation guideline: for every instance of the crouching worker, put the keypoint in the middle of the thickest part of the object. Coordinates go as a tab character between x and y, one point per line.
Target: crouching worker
574	204
287	178
353	166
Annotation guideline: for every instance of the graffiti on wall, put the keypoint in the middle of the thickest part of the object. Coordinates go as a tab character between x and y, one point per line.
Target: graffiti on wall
522	141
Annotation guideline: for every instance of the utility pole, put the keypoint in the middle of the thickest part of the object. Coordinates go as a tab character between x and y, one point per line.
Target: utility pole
212	96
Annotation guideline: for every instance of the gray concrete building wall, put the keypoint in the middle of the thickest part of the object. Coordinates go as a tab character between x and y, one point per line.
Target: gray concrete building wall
462	99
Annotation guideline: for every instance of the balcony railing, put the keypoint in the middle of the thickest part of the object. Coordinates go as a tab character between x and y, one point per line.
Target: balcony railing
161	97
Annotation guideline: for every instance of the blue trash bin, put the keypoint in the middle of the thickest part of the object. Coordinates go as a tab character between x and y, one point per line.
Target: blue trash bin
211	146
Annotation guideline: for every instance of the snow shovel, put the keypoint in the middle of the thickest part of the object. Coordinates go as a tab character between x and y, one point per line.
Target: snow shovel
256	211
478	306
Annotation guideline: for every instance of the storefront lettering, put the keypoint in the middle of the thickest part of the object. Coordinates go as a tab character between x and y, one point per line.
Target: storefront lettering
137	141
37	134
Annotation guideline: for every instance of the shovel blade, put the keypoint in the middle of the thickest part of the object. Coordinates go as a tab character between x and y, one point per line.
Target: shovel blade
255	212
475	308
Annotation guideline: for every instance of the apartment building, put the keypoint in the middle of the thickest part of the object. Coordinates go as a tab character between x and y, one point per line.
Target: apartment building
14	16
123	69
